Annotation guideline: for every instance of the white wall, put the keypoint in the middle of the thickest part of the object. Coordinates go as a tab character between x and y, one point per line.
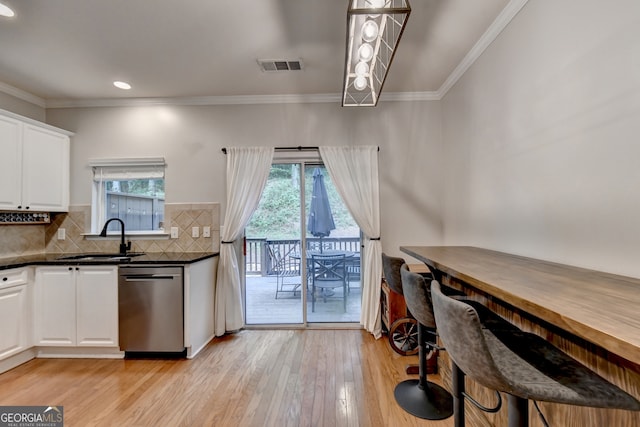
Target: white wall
541	138
24	108
191	137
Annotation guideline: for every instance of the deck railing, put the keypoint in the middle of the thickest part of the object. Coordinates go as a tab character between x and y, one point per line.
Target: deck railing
258	260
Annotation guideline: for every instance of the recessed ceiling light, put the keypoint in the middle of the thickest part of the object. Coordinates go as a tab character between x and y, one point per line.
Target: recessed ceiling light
6	11
122	85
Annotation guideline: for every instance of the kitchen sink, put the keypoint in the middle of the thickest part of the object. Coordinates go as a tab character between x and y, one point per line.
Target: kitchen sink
97	257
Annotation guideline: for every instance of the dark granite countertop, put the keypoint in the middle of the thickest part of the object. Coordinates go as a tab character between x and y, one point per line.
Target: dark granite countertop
148	258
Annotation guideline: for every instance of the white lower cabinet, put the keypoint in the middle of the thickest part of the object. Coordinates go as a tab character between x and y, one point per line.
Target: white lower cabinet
97	306
76	306
14	312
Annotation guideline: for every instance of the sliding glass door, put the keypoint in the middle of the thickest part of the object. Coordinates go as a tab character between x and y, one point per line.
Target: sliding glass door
274	291
302	251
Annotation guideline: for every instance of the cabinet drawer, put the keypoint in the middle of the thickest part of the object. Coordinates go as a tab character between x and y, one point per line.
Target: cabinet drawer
15	277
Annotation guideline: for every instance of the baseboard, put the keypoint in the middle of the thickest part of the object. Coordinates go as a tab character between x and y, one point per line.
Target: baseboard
17	359
191	353
79	352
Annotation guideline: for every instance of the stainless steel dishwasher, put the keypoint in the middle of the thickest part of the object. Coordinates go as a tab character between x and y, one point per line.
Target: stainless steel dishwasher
151	314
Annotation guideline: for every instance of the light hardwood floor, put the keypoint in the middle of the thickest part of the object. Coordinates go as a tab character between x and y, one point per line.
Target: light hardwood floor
252	378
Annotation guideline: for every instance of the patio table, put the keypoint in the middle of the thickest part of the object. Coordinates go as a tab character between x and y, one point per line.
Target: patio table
352	258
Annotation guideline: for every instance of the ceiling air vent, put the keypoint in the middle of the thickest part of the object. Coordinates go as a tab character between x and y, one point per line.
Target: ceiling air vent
272	65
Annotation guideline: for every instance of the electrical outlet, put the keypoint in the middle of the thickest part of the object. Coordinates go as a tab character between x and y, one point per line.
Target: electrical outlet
62	234
206	231
174	232
195	232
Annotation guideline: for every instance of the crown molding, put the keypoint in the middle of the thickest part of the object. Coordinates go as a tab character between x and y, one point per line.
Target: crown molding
21	94
196	100
410	96
496	27
231	100
37	123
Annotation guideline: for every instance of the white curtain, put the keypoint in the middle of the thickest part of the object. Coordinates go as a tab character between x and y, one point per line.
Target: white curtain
247	172
354	172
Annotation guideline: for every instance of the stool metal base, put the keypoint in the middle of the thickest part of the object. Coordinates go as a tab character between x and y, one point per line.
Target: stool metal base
430	403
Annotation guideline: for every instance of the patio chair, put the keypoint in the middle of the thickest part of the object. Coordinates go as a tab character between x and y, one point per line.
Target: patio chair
353	270
283	265
319	244
328	272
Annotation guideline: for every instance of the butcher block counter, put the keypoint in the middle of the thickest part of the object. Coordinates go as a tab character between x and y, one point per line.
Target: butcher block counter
591	315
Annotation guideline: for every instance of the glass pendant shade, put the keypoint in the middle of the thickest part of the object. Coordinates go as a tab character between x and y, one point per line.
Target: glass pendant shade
360	83
6	11
362	68
369	31
365	52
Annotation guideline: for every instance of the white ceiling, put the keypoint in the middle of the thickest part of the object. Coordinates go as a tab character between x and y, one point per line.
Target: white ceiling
72	50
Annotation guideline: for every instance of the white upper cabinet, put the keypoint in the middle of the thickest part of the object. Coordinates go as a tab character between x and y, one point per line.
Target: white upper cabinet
10	163
45	167
34	166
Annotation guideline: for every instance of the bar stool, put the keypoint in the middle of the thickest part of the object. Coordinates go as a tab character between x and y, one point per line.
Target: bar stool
523	365
403	330
420	397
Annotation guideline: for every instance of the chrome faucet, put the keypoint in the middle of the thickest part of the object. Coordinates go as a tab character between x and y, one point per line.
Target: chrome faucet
123	247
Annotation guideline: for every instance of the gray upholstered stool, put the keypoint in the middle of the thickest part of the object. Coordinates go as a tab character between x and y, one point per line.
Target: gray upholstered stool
523	365
391	267
420	397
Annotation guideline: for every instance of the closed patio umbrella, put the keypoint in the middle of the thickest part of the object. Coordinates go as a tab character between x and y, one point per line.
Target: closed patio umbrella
320	221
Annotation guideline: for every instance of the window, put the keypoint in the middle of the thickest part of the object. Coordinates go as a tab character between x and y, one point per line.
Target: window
129	189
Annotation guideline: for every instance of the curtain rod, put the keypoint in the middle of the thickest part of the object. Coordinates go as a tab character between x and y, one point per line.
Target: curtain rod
298	148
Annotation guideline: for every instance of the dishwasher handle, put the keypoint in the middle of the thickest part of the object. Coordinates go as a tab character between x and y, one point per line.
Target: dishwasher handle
145	277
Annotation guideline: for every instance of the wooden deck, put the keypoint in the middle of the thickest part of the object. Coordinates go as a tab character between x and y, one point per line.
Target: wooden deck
262	307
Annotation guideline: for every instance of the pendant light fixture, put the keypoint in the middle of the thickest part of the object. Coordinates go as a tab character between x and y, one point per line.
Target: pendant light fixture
374	28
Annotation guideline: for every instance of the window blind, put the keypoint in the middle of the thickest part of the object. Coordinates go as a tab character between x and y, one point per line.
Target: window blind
126	169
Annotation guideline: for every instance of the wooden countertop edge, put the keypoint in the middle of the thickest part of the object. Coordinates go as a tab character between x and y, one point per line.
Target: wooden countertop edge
613	344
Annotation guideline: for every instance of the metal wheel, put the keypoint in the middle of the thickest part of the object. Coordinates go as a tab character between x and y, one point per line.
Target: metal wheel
403	336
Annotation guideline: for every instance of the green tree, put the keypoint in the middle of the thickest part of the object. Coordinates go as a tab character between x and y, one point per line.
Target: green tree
278	215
